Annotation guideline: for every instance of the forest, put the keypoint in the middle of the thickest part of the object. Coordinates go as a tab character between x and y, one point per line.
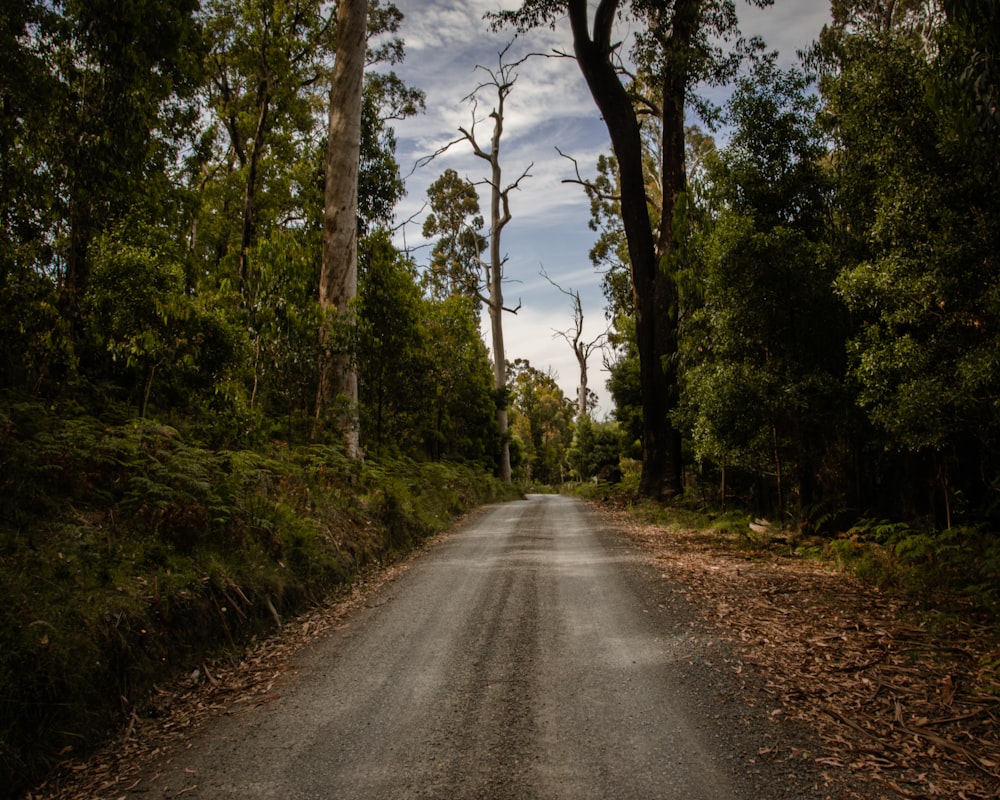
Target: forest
804	316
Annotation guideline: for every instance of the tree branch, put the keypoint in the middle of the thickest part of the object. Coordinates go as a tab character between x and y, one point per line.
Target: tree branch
588	185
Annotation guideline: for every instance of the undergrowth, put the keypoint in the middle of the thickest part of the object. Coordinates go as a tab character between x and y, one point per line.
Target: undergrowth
956	570
128	555
959	565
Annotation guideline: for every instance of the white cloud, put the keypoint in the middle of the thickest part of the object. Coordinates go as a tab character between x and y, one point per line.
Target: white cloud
788	26
549	106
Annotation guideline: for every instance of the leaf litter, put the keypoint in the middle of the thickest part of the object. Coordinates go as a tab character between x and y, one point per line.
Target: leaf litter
900	697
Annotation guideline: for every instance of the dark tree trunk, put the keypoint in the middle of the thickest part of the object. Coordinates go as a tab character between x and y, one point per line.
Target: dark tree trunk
654	292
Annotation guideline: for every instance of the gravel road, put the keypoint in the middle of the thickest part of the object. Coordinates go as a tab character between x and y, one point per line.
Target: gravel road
530	654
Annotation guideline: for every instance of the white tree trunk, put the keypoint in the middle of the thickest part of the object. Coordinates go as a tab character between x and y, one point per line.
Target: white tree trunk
337	399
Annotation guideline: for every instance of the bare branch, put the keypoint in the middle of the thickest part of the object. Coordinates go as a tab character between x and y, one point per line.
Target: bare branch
412	218
423	161
573	337
590	186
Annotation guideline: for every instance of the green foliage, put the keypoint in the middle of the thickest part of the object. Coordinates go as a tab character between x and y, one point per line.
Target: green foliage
595	452
129	555
624	385
762	371
154	333
917	210
424	372
456	220
958	565
391	349
541	420
39	353
282	319
459	417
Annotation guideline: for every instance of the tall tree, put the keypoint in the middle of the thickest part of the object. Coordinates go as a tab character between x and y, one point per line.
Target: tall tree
124	76
337	396
916	214
542	421
391	370
502	81
765	351
460	417
676	48
264	68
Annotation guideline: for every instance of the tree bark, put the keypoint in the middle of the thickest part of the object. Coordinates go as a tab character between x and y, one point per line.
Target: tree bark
503	79
654	292
248	231
499	217
337	395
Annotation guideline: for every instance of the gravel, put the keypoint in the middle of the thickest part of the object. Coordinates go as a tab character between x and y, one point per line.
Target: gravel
532	653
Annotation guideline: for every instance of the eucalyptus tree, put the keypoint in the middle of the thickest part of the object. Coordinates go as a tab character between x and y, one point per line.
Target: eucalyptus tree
35	334
542	420
489	290
456	220
425	383
676	47
459	421
391	348
265	69
764	353
28	87
337	396
974	36
96	99
916	214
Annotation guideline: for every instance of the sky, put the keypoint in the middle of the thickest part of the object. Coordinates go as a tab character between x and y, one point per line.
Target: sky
549	107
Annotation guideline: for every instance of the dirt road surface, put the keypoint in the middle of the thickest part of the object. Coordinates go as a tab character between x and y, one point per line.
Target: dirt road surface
529	654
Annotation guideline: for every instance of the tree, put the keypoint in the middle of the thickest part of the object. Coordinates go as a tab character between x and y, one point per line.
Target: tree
264	67
159	340
455	218
581	349
974	36
542	422
766	349
595	451
106	122
674	50
280	314
502	80
338	285
391	349
916	211
459	418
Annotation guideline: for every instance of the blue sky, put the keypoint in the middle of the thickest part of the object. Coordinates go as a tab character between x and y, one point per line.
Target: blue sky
549	107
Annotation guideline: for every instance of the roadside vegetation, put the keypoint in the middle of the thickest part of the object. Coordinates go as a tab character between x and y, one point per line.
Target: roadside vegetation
130	556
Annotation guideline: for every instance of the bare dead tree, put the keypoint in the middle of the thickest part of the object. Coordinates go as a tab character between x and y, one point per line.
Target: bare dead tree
501	80
490	292
581	349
